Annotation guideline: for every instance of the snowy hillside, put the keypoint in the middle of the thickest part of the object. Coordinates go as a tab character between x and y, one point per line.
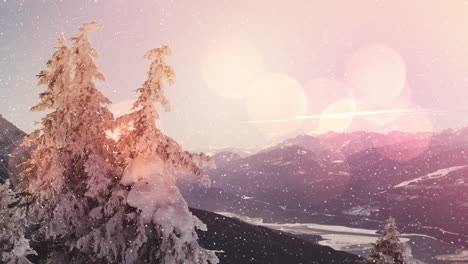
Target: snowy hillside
431	176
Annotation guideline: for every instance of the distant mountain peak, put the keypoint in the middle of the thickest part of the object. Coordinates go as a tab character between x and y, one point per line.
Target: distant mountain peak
10	136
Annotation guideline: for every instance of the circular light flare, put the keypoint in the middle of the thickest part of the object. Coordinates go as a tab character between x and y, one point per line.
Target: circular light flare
420	121
377	74
230	65
321	92
273	102
410	136
384	116
338	116
380	119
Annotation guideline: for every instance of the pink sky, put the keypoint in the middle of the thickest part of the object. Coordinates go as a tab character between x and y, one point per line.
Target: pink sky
242	63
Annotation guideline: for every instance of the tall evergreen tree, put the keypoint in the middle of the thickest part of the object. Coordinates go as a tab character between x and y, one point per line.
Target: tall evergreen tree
41	176
70	171
388	248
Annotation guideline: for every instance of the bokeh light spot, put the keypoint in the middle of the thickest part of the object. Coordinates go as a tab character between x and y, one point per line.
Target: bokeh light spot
410	136
376	74
273	101
229	65
338	116
321	92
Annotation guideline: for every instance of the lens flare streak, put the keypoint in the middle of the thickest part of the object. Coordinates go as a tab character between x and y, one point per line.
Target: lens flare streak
362	113
351	114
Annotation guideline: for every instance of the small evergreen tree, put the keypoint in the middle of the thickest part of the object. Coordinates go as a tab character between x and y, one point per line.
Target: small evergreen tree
14	247
388	248
152	160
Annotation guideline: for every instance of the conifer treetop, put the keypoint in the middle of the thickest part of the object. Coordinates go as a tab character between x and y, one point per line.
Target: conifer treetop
56	77
388	248
86	71
390	231
144	137
153	88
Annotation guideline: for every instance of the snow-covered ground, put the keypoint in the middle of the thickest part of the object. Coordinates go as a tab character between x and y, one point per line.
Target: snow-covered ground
434	175
337	237
458	257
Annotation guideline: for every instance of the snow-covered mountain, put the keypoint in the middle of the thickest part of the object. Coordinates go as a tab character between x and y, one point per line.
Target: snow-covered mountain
350	176
435	201
10	136
287	176
224	157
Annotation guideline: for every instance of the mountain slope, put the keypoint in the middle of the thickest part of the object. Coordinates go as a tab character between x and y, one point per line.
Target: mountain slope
10	136
243	243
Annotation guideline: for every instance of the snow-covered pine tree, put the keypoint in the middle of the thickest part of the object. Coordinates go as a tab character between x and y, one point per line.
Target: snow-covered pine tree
388	249
14	247
152	160
38	175
80	212
70	170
